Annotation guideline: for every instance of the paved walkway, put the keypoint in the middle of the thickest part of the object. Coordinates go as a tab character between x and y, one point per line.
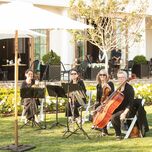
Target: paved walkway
10	84
144	81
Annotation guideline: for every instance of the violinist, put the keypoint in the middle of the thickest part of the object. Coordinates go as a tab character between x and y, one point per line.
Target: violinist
120	113
104	89
30	110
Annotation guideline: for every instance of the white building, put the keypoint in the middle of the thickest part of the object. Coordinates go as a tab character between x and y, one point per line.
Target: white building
60	40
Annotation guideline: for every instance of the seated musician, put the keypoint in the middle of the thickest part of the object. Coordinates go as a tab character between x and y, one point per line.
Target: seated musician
30	105
104	89
73	106
120	113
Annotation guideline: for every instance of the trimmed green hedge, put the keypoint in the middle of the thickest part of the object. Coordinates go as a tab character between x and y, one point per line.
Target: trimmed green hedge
140	59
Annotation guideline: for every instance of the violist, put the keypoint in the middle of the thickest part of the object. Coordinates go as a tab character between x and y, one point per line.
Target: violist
73	106
120	113
104	89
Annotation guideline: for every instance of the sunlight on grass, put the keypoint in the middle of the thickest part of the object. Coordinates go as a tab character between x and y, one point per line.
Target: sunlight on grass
51	140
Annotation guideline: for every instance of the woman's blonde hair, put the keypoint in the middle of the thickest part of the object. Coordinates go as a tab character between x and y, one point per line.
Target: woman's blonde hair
103	71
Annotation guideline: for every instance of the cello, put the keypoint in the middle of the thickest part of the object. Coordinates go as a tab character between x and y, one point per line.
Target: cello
104	112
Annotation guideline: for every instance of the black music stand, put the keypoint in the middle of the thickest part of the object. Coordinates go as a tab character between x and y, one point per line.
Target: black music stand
69	87
56	91
32	93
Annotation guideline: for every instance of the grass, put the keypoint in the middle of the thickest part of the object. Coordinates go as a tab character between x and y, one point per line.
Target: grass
51	140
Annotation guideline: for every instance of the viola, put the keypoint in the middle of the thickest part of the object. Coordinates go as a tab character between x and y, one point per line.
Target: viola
106	92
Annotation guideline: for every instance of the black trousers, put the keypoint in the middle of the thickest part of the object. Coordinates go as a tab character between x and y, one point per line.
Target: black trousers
116	122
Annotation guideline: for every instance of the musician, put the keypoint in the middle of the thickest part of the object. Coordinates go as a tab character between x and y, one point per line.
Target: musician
120	113
115	58
72	108
116	55
104	89
30	105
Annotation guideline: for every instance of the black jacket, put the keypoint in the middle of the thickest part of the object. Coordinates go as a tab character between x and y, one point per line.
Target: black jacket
100	90
128	98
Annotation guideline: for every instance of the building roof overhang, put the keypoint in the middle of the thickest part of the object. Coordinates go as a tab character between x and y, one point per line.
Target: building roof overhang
59	3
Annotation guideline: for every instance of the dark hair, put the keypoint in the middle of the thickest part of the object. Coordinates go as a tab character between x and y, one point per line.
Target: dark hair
74	69
28	70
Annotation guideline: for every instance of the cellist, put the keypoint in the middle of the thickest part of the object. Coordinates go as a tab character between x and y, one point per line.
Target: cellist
120	113
104	89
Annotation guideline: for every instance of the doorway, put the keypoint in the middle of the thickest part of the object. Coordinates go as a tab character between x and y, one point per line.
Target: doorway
93	51
7	54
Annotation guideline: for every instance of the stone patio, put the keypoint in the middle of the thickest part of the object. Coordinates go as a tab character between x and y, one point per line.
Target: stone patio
10	84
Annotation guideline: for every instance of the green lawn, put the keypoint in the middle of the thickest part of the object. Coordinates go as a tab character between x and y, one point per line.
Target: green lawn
51	140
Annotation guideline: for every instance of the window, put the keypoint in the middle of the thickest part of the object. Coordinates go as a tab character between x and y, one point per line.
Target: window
40	45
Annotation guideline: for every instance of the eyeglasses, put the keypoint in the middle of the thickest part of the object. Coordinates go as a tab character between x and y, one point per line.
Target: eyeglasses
73	73
102	75
121	77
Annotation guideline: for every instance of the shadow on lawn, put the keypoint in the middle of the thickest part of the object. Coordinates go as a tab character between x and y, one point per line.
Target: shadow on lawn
149	118
50	140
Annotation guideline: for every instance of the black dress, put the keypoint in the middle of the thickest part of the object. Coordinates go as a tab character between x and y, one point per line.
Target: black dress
100	92
98	98
30	106
74	107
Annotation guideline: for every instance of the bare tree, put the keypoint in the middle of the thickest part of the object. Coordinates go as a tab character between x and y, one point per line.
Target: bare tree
116	22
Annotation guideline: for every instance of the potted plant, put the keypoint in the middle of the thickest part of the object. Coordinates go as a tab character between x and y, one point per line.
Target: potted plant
51	70
140	67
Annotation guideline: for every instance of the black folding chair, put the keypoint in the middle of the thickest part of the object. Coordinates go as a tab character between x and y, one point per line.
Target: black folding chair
129	67
64	71
4	74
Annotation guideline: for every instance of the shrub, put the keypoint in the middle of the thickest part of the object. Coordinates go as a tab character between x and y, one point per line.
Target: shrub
140	59
51	58
143	91
7	101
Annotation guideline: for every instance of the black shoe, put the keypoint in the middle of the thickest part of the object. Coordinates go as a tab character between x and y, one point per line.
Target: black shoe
105	131
119	138
104	134
95	128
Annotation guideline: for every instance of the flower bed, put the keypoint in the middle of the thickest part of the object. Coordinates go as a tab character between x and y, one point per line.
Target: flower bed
141	91
7	98
7	101
144	91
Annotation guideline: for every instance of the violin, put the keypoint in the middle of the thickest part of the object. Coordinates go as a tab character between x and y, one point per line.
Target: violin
106	92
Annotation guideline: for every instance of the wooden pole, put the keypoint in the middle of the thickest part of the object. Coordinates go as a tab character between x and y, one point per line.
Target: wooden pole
16	85
16	147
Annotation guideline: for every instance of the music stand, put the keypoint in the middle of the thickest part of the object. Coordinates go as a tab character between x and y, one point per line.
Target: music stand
32	93
56	91
69	87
